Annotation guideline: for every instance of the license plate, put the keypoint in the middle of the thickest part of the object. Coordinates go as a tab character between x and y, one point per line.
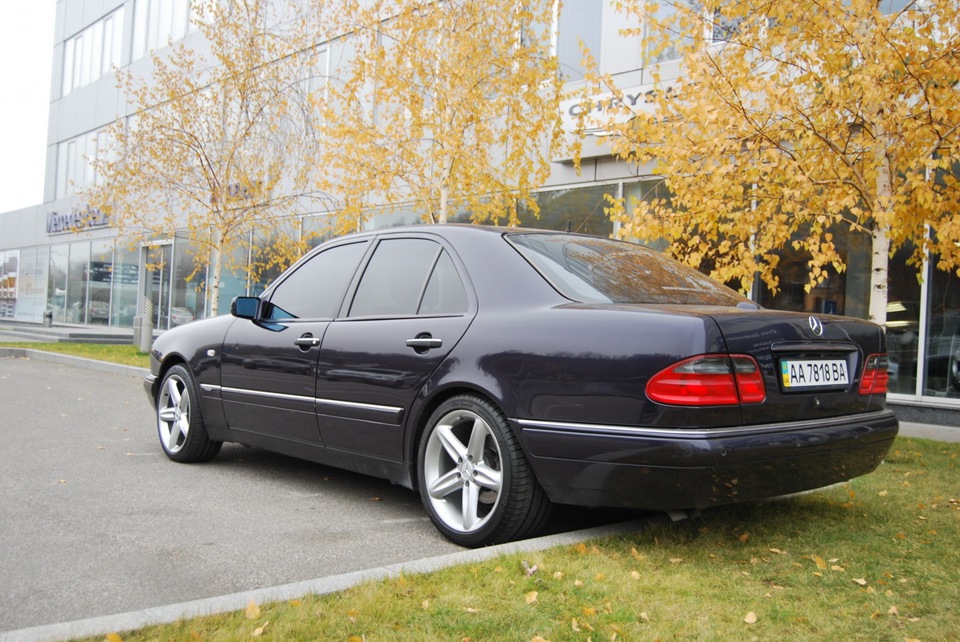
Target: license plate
810	373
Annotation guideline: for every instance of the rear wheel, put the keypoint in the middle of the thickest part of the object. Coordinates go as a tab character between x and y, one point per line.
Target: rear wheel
183	435
475	481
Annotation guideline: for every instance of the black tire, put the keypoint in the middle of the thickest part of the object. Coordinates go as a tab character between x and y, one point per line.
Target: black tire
473	477
183	435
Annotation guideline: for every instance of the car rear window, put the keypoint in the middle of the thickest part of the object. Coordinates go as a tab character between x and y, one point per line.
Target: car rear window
596	270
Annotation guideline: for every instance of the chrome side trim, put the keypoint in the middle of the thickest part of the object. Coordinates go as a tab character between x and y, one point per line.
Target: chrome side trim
358	405
712	433
312	400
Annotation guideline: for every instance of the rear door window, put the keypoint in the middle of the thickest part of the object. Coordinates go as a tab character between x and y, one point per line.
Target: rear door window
406	277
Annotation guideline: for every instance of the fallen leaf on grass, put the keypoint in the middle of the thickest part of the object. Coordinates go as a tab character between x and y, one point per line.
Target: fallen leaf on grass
257	632
860	581
531	597
253	611
113	637
751	618
820	562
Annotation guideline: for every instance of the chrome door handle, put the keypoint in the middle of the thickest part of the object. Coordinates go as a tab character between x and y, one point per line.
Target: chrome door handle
424	343
307	341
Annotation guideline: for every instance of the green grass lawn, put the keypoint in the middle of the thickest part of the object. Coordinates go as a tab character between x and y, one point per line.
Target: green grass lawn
127	355
877	558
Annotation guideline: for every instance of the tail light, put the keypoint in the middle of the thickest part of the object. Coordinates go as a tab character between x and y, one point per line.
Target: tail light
709	380
875	376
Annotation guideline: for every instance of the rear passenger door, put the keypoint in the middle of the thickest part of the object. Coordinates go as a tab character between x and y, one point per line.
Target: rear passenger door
410	308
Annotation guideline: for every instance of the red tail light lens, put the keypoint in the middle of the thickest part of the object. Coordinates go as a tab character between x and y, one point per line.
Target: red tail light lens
709	380
875	376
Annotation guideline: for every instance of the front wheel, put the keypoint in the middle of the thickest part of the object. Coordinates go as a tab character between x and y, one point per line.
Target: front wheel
475	481
180	426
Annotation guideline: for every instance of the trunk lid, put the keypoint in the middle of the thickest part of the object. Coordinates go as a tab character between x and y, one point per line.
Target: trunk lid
811	364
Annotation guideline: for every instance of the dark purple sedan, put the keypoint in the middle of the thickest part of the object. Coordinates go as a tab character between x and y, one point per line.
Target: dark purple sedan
499	371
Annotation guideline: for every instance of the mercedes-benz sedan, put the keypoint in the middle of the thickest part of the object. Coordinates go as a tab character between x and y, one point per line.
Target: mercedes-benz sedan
499	371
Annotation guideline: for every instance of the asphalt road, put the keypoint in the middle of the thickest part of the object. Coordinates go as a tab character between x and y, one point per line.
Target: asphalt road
95	520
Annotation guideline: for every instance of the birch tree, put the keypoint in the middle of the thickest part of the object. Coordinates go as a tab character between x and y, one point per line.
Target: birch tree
791	119
443	106
219	143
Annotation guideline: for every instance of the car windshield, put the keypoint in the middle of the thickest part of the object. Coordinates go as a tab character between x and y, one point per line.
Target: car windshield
596	270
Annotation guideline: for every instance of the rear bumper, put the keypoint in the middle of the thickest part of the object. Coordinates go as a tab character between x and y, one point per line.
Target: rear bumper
662	469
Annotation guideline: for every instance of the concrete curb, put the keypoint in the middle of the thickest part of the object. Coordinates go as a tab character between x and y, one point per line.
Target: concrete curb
238	601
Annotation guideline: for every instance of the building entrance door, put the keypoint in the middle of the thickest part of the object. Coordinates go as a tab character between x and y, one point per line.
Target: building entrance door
155	266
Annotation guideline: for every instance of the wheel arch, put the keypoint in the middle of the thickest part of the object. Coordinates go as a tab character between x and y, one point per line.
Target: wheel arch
169	361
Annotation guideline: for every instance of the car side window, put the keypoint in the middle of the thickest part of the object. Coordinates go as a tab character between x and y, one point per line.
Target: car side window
445	293
315	290
407	277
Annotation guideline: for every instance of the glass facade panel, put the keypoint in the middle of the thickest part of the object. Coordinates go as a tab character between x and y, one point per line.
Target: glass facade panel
577	210
942	365
845	293
126	278
188	289
9	269
578	21
57	282
233	281
157	284
93	52
77	282
903	323
32	284
100	282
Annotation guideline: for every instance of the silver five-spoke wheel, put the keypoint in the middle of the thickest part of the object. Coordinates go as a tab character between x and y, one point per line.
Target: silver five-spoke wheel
462	470
180	426
173	414
475	482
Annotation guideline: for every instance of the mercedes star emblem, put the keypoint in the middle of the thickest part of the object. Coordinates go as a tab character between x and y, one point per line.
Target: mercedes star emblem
816	326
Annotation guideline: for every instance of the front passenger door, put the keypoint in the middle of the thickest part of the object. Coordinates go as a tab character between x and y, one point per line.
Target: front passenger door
269	365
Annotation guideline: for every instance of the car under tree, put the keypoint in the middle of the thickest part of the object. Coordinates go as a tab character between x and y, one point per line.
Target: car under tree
499	371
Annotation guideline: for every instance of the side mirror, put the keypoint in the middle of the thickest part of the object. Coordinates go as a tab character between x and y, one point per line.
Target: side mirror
245	307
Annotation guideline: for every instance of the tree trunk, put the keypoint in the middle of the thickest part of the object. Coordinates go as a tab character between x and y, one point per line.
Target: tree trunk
879	272
880	251
216	264
444	196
